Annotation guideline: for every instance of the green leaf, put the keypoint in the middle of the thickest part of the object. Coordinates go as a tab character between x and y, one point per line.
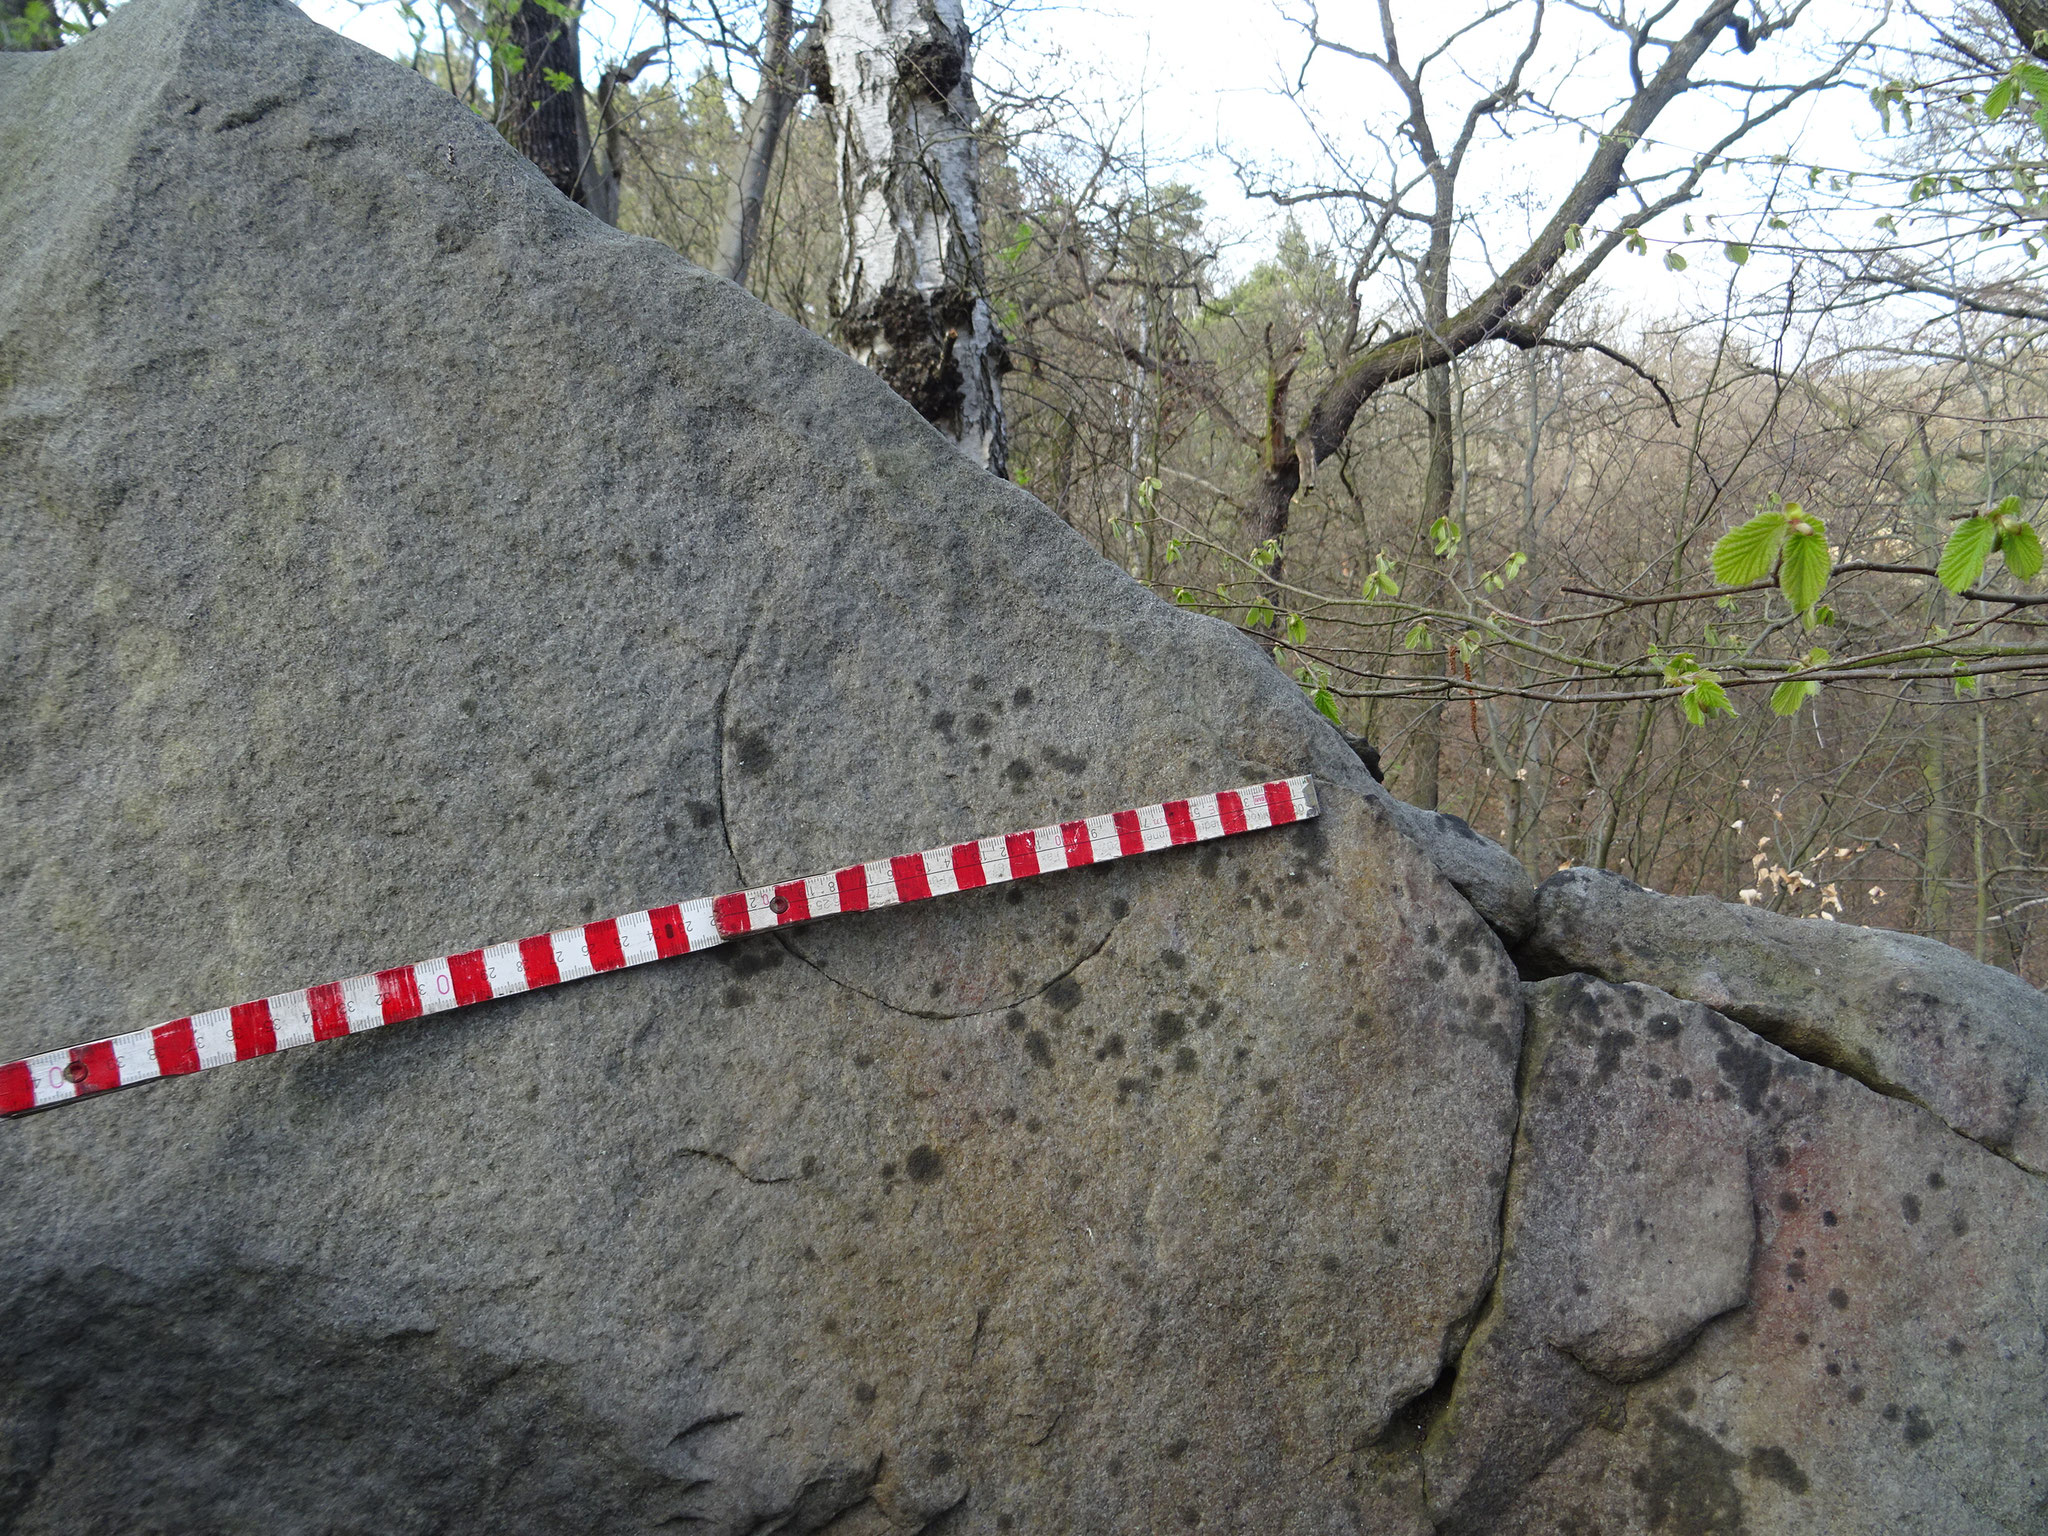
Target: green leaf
1326	706
1417	633
1633	239
1736	252
1962	562
2000	98
1788	696
2021	547
1573	239
557	79
1297	629
1674	261
1746	552
1803	574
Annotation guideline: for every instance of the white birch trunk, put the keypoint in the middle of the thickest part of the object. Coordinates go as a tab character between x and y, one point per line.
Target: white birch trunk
910	302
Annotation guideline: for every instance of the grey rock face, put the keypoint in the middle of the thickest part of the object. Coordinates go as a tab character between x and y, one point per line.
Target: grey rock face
1867	1289
399	559
1485	873
1909	1016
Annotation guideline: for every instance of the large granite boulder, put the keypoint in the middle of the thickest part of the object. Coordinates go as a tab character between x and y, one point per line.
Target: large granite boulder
400	559
1908	1016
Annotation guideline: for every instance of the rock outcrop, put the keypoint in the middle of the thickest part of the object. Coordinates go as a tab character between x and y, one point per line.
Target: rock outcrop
399	558
1866	1288
1908	1016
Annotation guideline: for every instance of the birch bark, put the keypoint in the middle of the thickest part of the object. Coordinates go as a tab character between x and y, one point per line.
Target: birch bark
910	300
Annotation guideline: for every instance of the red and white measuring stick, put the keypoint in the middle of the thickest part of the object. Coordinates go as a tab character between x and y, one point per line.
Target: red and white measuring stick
349	1007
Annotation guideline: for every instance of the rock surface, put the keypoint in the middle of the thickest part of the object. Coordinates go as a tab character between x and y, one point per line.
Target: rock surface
1908	1016
1485	873
1870	1292
398	559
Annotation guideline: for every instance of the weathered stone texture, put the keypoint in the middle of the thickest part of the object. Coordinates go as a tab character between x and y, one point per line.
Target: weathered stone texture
397	559
1869	1289
1908	1016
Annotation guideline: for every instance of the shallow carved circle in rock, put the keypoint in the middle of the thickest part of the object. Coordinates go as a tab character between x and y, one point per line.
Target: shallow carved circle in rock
972	952
799	801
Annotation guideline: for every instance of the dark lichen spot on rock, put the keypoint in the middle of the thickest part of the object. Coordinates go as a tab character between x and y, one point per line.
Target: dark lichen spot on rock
1209	863
864	1392
1681	1088
1118	907
924	1165
1748	1071
942	722
1014	1019
1173	959
1780	1158
979	725
1435	968
1909	1206
1856	1393
1021	697
1112	1047
1064	995
1688	1484
1175	1449
1665	1027
1958	1224
888	1170
1775	1463
1184	1059
1787	1201
1034	1125
1936	1181
1017	773
1126	1086
1167	1028
1955	1346
735	997
1331	1264
1918	1431
1038	1048
1066	762
863	1061
1268	1084
1608	1058
1828	1218
751	752
1838	1299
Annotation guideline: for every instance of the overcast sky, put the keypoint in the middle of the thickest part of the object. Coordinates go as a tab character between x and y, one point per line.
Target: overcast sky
1200	84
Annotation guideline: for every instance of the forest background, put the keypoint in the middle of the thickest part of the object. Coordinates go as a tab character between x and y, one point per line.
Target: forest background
1629	419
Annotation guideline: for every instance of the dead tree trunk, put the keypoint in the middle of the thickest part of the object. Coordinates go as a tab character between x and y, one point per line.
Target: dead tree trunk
910	299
